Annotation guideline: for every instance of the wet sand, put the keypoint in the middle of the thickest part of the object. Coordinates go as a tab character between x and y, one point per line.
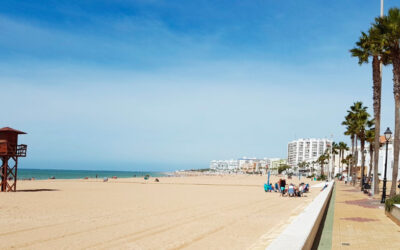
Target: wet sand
199	212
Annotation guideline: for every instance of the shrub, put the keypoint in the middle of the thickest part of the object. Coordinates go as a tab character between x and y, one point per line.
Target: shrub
391	201
321	178
282	168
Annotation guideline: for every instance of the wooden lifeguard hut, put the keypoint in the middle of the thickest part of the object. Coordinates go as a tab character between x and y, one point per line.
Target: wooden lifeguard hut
10	151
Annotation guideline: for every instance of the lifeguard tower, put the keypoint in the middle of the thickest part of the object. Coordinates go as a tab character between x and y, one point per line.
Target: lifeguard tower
10	151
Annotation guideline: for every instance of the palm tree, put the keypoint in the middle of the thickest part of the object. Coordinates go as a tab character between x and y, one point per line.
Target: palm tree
302	165
348	161
322	161
363	123
350	131
372	45
355	121
335	148
389	27
342	147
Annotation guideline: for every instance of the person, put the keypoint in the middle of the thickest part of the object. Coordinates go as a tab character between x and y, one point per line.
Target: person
276	187
291	190
301	189
325	186
305	189
282	190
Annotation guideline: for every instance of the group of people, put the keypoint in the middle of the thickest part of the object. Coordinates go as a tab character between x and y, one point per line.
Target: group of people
287	189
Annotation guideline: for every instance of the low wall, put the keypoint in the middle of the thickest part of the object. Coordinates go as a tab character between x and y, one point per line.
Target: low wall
394	214
300	234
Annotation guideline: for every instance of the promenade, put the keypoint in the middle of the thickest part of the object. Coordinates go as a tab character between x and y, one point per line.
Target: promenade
357	221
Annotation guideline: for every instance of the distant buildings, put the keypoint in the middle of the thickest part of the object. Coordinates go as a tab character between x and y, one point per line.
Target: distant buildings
307	150
224	165
247	165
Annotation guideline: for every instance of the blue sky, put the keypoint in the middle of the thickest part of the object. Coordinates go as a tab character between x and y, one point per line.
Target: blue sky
164	85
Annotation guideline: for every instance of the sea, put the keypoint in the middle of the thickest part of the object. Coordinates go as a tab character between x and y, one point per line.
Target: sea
42	174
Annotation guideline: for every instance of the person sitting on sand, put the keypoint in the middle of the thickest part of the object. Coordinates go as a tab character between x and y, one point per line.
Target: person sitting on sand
305	188
265	187
301	187
291	190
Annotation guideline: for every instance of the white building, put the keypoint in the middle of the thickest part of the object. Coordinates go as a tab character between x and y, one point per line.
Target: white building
246	165
307	150
224	165
381	162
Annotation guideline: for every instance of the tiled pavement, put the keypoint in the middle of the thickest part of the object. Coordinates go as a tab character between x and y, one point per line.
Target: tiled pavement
359	222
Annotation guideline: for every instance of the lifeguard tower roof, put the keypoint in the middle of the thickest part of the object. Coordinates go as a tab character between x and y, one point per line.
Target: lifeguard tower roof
8	129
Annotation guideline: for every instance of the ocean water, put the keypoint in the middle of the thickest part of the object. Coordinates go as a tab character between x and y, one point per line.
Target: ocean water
41	174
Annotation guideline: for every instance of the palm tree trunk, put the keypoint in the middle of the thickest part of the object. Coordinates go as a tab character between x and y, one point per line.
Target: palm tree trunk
350	166
322	169
377	95
362	142
340	161
396	141
371	155
333	166
355	161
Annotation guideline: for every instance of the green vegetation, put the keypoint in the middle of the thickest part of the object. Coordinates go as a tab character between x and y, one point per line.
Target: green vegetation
391	201
382	44
200	170
322	160
282	168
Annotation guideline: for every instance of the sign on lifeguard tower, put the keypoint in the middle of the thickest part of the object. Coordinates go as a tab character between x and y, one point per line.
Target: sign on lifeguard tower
10	151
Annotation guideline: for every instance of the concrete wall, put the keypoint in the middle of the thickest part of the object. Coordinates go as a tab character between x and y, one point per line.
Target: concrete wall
394	214
300	234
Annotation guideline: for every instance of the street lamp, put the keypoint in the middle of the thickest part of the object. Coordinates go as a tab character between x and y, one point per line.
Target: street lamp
362	170
388	135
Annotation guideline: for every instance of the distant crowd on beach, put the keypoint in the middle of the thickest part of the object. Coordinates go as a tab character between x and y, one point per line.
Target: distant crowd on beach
290	190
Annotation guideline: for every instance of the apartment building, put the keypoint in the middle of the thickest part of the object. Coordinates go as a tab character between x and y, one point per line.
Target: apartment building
224	165
307	150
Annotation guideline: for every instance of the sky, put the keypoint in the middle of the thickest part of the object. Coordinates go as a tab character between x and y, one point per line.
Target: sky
165	85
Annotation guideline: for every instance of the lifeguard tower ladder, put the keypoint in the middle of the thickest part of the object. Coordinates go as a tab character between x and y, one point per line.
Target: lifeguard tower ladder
10	151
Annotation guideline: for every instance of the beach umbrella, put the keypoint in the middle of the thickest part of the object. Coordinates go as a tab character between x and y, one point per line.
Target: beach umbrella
269	173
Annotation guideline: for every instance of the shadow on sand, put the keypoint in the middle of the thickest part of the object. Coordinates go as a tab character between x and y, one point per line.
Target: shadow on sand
38	190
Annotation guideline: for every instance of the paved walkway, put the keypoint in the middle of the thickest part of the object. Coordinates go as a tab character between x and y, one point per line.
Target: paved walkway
359	222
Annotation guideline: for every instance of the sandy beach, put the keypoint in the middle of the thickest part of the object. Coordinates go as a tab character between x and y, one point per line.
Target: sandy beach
198	212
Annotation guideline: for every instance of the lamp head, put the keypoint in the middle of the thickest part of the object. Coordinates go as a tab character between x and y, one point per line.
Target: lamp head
388	134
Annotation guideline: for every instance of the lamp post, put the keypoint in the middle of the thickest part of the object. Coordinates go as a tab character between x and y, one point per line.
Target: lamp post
388	135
